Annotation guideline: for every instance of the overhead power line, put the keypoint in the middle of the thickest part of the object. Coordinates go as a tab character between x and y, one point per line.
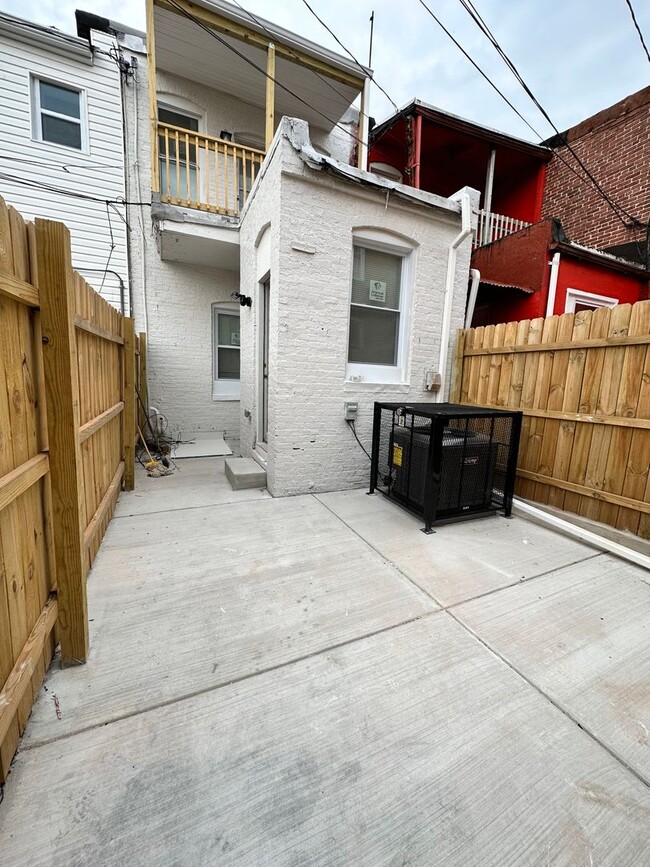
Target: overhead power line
470	8
257	21
261	70
350	54
638	29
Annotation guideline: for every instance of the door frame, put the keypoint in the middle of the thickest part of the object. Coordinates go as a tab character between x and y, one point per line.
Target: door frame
264	296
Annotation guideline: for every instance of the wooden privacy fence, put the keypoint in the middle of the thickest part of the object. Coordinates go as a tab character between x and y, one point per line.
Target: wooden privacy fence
67	442
583	383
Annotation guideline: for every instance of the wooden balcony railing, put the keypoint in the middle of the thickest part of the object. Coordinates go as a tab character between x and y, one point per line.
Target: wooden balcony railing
492	227
204	172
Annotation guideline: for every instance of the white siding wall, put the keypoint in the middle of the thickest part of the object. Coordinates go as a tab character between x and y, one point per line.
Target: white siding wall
98	173
310	446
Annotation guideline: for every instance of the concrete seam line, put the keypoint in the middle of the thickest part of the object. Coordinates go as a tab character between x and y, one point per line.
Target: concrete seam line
232	682
470	598
379	554
189	508
523	580
550	699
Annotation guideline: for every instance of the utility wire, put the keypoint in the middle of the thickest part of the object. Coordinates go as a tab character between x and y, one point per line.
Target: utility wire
350	54
256	66
257	21
41	185
638	29
469	7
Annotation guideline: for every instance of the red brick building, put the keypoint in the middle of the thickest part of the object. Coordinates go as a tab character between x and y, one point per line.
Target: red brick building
615	145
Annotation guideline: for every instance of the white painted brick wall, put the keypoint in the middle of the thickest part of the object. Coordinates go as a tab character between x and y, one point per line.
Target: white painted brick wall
311	448
180	296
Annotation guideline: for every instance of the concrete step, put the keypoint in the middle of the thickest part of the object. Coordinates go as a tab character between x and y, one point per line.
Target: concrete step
244	473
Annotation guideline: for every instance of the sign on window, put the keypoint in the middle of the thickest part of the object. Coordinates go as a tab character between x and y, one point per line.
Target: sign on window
377	291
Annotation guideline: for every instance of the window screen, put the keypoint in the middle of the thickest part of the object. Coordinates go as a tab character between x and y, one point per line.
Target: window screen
375	307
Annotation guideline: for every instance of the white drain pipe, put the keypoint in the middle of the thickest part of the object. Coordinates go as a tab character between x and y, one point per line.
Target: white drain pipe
552	284
475	274
581	534
466	229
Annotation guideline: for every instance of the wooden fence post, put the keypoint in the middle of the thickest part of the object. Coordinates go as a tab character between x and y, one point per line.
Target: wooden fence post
144	388
130	413
57	301
457	369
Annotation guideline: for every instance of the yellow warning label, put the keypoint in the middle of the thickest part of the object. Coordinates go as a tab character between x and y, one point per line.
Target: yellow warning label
397	456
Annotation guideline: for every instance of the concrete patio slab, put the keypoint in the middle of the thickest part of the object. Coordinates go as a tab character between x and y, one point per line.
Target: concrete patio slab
460	561
197	482
183	601
582	635
413	747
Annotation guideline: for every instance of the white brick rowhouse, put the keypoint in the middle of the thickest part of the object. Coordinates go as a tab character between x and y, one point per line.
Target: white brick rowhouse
298	226
173	300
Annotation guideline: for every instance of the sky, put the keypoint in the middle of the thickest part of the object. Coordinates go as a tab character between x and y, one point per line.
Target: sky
577	56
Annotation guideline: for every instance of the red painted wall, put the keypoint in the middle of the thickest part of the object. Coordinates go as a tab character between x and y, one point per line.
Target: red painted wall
523	260
600	280
451	159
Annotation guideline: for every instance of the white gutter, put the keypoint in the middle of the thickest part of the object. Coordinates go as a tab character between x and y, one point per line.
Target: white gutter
473	292
583	535
466	230
552	284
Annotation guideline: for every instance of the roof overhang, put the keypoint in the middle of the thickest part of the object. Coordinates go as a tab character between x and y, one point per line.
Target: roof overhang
27	31
598	257
224	48
460	124
493	284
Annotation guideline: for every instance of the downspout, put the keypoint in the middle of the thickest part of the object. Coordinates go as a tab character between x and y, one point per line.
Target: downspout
465	232
552	283
473	292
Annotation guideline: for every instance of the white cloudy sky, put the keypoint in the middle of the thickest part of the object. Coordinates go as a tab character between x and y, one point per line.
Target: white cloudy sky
578	56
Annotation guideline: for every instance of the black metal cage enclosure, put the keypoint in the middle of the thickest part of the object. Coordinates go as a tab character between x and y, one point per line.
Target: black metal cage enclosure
443	461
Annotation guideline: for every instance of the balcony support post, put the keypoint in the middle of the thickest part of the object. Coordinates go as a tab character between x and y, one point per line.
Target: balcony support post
270	95
153	97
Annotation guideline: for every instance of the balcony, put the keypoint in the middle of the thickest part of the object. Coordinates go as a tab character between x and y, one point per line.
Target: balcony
492	227
205	172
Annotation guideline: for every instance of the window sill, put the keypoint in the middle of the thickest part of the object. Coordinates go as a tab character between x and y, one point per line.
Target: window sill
400	387
60	148
220	398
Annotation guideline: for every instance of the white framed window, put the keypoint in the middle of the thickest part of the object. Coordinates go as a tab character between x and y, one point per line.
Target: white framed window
58	114
225	352
577	300
178	160
379	309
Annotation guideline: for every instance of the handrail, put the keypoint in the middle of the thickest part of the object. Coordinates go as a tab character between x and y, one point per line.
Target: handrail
211	138
205	172
492	227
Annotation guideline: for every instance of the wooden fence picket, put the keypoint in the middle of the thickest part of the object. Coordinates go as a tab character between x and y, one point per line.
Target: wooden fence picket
62	457
583	383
